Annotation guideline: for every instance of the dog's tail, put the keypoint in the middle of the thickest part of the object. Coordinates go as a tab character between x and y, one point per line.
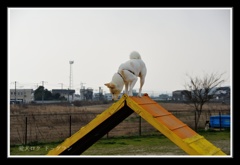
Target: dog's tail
135	55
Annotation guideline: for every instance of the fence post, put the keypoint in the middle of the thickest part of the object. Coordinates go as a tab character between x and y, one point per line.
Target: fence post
220	120
25	130
140	127
70	124
195	120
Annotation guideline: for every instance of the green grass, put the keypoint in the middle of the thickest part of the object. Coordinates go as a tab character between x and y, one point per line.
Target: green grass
134	145
32	149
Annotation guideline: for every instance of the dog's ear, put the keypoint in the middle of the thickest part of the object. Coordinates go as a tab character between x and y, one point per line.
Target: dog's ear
109	85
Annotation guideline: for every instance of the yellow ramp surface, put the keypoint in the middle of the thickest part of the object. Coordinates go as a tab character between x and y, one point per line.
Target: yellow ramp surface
174	129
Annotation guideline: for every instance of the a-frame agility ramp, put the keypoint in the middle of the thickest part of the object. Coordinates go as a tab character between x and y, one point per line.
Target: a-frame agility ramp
174	129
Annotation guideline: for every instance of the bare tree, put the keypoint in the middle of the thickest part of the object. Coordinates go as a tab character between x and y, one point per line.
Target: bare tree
201	91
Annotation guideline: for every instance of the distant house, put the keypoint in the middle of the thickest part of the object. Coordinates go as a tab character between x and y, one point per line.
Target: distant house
21	96
180	95
164	97
67	93
77	97
221	94
108	96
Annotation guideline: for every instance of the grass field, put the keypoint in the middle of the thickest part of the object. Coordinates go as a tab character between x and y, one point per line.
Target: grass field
154	145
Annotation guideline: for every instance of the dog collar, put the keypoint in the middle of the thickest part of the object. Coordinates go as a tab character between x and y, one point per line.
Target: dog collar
121	75
130	71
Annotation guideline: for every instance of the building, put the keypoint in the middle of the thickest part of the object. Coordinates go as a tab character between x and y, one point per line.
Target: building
180	95
77	97
164	97
221	94
67	93
86	94
108	96
218	94
21	95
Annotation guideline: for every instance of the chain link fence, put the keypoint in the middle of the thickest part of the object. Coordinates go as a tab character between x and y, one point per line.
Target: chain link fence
54	127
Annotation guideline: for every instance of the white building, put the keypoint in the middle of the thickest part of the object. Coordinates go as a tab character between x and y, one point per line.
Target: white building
21	95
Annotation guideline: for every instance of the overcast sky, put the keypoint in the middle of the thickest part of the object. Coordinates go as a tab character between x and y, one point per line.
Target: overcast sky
173	42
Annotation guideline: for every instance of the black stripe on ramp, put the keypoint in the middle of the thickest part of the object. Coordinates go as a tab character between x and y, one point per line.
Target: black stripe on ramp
89	139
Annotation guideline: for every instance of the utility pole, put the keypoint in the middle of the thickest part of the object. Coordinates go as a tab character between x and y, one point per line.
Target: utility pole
71	77
100	93
68	96
61	85
82	90
15	92
81	84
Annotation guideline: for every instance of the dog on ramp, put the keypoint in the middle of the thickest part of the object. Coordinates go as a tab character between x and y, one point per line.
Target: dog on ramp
127	76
